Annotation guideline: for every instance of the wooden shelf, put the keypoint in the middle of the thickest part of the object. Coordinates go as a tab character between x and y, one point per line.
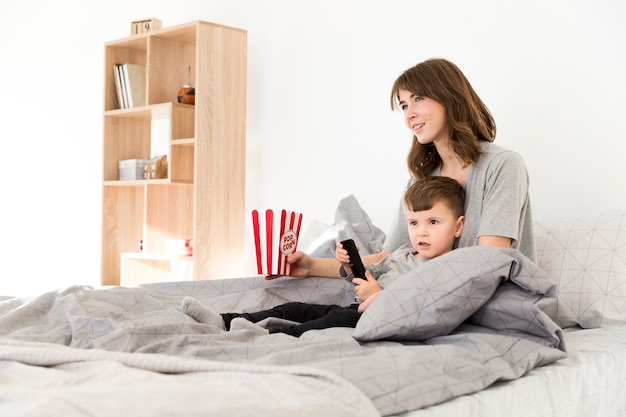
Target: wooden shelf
202	197
141	268
156	256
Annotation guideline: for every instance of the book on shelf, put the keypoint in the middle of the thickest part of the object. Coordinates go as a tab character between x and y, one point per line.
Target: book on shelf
132	81
118	86
135	77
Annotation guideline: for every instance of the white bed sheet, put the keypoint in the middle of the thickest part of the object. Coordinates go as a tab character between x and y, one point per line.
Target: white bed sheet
591	381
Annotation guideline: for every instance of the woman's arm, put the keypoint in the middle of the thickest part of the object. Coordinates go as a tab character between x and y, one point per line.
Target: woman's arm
303	265
374	258
342	256
497	241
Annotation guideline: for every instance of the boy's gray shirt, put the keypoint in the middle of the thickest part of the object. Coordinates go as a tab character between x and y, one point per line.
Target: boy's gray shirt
396	264
497	203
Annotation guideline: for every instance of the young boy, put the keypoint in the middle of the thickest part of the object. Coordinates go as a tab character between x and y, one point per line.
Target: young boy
434	207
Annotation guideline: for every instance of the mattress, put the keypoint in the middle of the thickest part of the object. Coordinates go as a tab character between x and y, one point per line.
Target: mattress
591	381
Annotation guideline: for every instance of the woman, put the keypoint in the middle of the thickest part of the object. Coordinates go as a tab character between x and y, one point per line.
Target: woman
453	133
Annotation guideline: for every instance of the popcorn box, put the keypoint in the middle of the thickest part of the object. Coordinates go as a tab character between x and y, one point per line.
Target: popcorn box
275	239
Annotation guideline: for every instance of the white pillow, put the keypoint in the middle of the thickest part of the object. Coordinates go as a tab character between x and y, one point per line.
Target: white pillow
587	258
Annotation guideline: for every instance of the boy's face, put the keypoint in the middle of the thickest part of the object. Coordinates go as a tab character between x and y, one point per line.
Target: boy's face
432	232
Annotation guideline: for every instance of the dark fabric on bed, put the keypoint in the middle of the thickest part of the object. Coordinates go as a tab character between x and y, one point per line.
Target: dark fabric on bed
307	317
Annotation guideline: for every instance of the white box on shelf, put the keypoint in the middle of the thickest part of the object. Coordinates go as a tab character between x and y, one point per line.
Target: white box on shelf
132	169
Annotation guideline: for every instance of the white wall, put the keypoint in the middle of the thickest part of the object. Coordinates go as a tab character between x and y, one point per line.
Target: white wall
319	124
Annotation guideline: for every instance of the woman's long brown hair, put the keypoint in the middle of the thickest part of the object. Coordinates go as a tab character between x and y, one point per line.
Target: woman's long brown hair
468	118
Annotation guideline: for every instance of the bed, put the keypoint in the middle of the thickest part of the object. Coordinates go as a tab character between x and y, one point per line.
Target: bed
476	332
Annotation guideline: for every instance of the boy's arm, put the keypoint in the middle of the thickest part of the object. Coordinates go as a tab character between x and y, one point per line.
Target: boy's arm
368	301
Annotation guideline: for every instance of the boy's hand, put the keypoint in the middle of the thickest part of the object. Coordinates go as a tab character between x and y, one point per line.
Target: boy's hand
364	288
368	301
342	255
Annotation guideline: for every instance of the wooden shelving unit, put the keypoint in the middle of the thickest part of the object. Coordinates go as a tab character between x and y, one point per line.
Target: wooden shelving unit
202	197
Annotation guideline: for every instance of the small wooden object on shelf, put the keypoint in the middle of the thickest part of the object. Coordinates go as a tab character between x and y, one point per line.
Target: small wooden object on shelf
138	27
187	94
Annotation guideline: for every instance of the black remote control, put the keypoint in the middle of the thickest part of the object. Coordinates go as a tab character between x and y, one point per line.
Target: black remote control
358	270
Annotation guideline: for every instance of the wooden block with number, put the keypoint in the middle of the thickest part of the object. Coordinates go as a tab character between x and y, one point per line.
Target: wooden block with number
137	27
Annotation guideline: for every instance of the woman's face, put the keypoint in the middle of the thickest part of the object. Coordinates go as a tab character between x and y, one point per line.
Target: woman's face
425	117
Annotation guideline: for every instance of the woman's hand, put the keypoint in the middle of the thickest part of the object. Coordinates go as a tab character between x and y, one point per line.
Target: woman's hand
366	287
301	264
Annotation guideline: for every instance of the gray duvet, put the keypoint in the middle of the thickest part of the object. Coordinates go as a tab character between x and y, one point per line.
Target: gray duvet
462	322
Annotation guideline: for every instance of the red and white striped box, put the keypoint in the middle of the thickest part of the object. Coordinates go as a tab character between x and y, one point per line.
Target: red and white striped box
275	238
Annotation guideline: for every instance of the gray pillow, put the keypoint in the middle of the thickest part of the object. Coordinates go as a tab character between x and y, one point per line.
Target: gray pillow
586	256
435	298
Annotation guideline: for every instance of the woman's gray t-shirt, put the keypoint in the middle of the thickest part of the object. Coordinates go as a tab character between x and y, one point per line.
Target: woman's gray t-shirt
497	203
